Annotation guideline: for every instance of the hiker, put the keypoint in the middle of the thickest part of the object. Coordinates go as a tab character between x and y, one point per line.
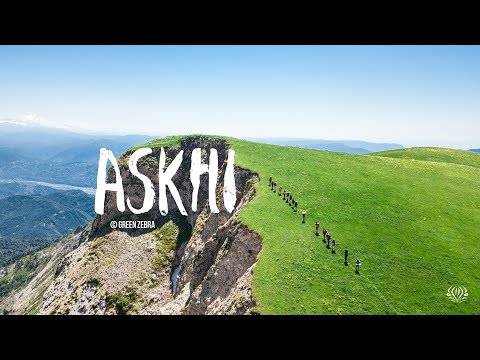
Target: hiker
304	213
334	246
284	193
288	195
328	240
271	184
270	181
296	206
317	226
325	232
280	191
293	201
357	266
274	186
346	257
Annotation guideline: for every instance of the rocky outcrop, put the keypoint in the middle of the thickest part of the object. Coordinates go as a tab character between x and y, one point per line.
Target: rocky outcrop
29	299
196	264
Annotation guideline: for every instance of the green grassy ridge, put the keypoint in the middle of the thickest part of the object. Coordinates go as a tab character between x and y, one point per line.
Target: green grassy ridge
442	155
173	140
414	225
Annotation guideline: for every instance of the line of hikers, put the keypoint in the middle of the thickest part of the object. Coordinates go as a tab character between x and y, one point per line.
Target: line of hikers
287	195
327	238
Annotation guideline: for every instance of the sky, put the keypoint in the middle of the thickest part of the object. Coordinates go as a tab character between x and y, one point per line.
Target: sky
412	95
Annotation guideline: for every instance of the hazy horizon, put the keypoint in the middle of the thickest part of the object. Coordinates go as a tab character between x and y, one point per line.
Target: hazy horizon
409	95
106	133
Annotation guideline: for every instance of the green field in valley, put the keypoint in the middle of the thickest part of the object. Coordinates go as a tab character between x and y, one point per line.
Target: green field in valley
412	217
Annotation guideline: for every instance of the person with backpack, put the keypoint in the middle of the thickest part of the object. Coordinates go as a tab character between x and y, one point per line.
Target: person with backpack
317	226
325	232
357	266
284	194
279	191
328	240
304	214
274	186
287	197
270	181
296	206
334	246
346	257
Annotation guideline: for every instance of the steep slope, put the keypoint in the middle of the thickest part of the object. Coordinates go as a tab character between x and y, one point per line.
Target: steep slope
200	264
414	225
26	280
12	249
441	155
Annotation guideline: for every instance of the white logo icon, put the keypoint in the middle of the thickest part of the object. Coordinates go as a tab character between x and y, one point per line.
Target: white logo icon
457	294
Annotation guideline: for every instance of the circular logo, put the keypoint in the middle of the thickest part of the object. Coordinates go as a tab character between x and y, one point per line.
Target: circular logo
113	224
457	294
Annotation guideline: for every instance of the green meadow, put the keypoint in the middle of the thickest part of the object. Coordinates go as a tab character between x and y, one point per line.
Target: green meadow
411	216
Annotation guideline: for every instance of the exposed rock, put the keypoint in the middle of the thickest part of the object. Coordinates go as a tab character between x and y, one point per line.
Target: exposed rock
198	264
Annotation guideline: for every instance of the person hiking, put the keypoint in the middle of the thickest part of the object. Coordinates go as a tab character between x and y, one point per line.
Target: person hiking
288	195
274	186
328	240
296	206
270	181
346	257
334	246
304	214
284	193
293	202
357	266
279	191
325	232
317	226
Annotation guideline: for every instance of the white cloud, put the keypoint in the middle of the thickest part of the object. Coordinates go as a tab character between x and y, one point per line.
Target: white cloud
30	119
37	120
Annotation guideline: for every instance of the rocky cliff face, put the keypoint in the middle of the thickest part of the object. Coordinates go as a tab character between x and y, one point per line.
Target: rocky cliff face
196	264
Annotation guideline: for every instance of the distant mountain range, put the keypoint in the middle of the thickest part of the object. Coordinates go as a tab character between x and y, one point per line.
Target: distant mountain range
347	146
28	222
475	150
35	162
31	152
34	214
44	216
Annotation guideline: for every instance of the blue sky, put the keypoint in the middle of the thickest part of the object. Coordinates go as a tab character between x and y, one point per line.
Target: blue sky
413	95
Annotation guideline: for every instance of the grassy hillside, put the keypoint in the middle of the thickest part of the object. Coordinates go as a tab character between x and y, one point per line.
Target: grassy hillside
413	224
434	154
